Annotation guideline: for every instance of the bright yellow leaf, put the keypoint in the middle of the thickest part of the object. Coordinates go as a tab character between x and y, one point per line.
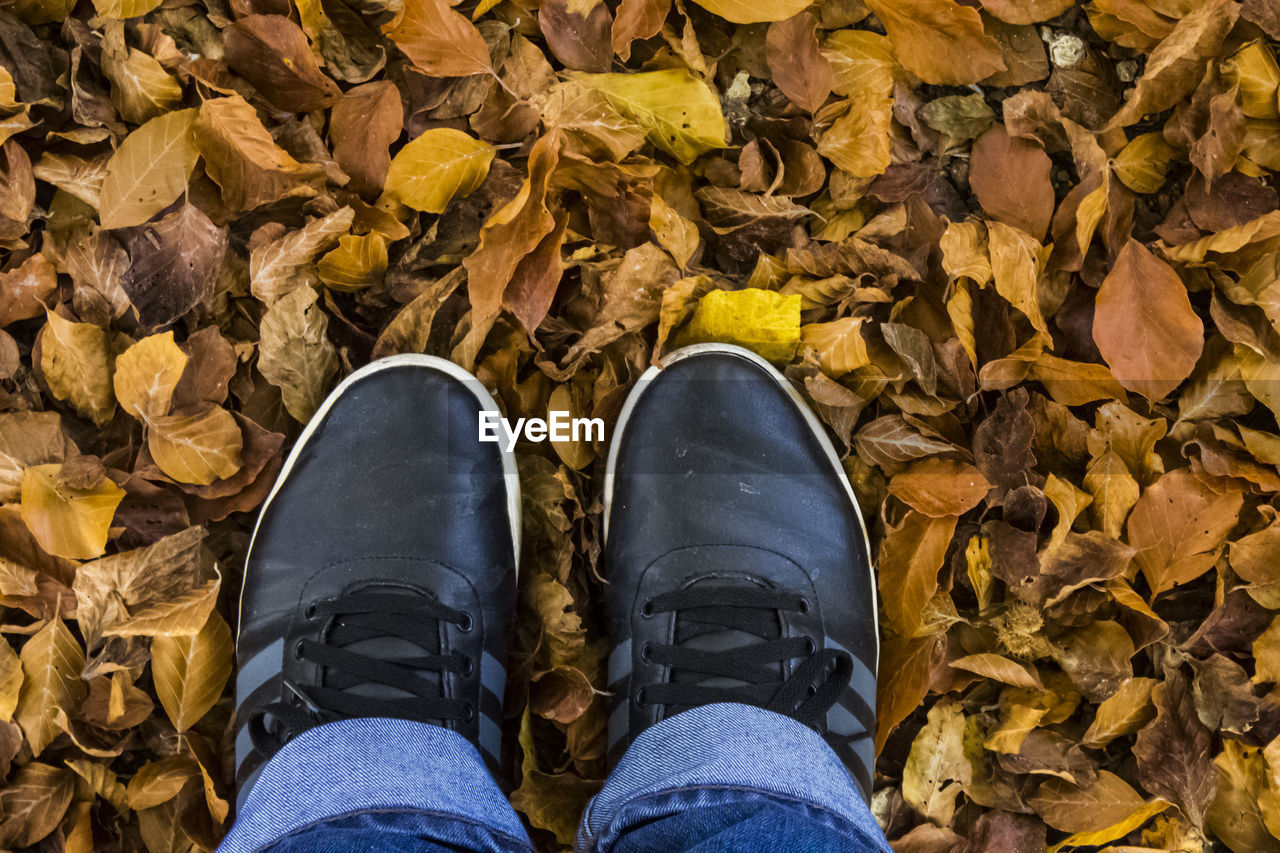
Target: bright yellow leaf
146	374
436	167
66	521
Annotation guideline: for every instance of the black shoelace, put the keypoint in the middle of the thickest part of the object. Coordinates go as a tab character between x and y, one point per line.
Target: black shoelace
806	695
358	617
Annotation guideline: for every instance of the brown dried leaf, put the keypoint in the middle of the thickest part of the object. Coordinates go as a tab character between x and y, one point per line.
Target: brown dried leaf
1173	751
939	41
271	52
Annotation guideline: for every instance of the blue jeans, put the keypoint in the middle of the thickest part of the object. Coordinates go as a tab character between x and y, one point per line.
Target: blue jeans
720	778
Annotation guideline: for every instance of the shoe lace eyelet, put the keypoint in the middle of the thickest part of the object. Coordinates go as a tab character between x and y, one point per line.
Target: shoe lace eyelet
466	623
467	668
646	653
810	647
646	609
805	607
641	698
811	690
311	611
468	713
298	650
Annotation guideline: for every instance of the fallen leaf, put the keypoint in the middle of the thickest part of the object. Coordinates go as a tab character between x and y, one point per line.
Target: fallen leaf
271	52
149	170
295	354
1178	526
1173	751
174	262
1010	177
939	41
436	167
146	375
910	556
799	69
51	663
242	158
764	322
284	265
1144	325
439	40
67	521
679	112
196	447
936	768
190	672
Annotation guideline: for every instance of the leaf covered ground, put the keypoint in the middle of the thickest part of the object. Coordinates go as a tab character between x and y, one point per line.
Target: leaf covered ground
1022	256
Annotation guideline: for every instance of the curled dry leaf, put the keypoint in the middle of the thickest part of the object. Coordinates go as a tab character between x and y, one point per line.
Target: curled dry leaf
241	157
295	354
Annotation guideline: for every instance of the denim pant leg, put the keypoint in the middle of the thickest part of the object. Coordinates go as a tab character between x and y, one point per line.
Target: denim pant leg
376	785
729	778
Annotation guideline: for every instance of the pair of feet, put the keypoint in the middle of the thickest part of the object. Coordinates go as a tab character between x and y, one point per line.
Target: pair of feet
381	579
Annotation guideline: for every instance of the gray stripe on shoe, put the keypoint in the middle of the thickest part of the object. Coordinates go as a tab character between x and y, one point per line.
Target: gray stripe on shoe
493	675
259	669
620	661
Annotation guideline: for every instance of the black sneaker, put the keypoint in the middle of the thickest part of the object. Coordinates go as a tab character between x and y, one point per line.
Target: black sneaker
738	564
380	581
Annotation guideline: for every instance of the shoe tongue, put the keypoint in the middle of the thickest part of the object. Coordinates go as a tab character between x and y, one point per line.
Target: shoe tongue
360	635
693	631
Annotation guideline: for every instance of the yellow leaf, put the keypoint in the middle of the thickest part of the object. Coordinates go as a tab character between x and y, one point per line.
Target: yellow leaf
160	781
858	141
1253	68
1121	829
936	768
677	235
862	61
197	447
1143	163
146	374
190	672
359	261
68	522
965	253
753	11
839	344
43	11
680	112
760	320
436	167
140	87
1017	260
1261	377
10	680
51	664
149	170
124	8
76	361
